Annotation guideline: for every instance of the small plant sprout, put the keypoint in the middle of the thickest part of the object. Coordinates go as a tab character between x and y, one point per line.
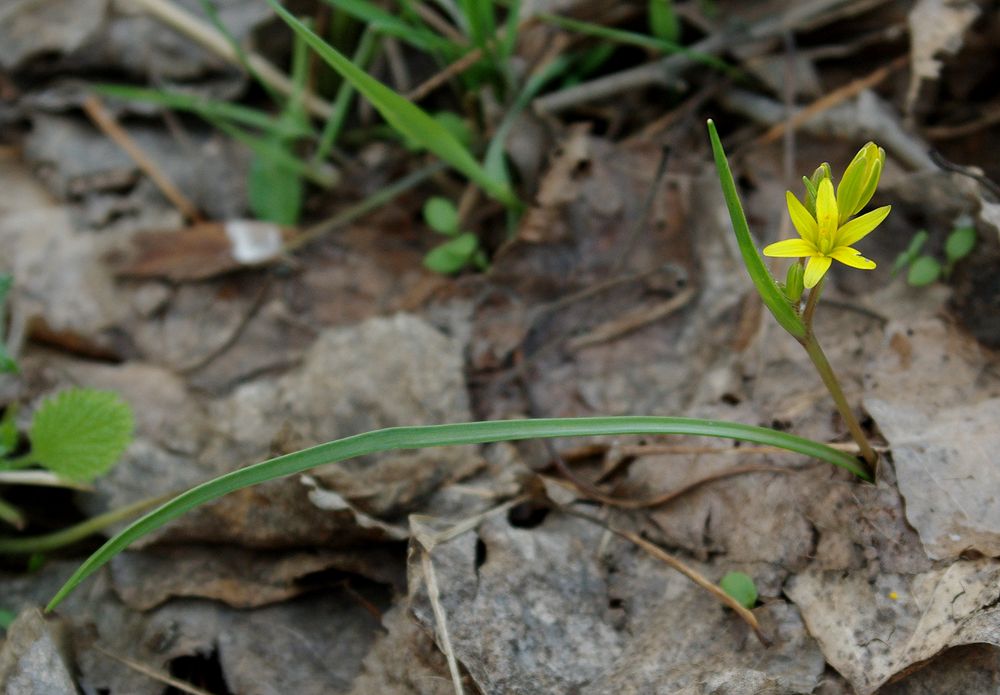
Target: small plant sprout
827	232
926	269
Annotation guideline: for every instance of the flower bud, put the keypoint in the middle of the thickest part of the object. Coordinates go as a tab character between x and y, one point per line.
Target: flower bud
860	180
794	282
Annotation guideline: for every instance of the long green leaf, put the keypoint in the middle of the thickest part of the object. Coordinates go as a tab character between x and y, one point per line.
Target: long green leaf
772	295
446	435
632	38
403	115
394	25
207	108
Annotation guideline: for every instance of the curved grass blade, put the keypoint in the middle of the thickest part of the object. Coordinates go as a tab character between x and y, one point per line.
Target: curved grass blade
769	291
446	435
404	116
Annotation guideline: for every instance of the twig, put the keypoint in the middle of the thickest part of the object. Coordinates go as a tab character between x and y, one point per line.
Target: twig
153	673
441	620
664	498
990	116
363	207
631	321
208	37
694	575
664	71
835	97
103	119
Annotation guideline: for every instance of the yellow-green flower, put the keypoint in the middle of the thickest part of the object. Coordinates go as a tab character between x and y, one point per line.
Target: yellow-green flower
828	233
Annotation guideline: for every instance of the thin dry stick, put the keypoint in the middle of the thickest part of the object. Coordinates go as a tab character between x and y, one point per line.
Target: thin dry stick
439	78
632	321
153	673
103	119
835	97
658	500
694	575
211	39
441	621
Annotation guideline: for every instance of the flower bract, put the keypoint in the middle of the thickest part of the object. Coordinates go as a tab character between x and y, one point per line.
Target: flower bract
826	229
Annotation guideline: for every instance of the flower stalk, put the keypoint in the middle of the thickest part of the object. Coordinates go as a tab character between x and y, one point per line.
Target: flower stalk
827	229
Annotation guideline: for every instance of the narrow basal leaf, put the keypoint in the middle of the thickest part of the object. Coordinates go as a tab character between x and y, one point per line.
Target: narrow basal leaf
395	438
404	116
80	434
766	285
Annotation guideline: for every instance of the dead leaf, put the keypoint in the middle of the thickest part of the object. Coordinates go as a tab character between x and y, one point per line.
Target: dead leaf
204	250
936	27
873	630
933	393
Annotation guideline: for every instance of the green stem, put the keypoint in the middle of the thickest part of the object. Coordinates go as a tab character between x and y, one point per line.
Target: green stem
830	380
826	373
67	536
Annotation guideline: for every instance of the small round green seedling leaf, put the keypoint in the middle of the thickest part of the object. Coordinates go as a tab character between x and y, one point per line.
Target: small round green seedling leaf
924	271
960	243
910	254
741	587
441	215
453	255
80	433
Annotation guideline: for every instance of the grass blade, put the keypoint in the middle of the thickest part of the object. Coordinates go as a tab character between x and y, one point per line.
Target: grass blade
446	435
769	291
403	115
206	108
392	25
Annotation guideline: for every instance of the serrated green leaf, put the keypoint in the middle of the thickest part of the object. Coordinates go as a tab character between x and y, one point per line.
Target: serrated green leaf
960	243
441	215
741	587
924	271
80	433
453	255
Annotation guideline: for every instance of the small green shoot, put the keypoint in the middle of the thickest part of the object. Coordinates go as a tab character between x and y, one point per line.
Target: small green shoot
926	269
404	116
460	250
79	434
923	271
663	22
6	618
8	431
741	587
8	364
441	216
911	253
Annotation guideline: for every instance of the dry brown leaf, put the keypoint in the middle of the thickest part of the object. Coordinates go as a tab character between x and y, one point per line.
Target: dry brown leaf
873	631
936	27
935	395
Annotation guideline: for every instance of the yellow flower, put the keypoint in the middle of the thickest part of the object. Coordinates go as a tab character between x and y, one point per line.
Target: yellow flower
828	234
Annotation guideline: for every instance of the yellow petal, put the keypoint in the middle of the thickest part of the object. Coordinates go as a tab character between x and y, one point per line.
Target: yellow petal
851	257
871	184
815	270
790	248
826	215
804	223
860	227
